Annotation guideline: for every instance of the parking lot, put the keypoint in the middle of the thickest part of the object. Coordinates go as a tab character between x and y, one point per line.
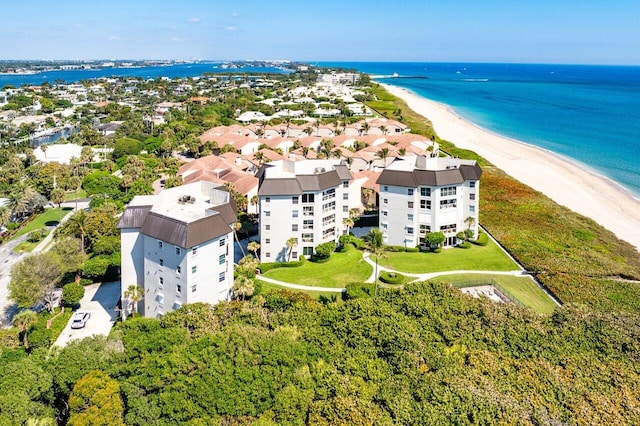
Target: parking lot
100	300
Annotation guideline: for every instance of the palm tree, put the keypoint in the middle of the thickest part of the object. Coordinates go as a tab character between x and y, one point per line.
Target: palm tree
383	154
243	287
44	148
375	246
75	226
366	195
5	215
348	222
365	128
383	129
469	221
25	320
253	247
134	294
236	226
291	243
57	197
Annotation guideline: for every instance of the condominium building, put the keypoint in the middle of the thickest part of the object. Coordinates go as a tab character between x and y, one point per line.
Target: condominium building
178	246
301	200
420	195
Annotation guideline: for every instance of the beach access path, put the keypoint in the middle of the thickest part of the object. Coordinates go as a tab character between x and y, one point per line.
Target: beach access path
564	181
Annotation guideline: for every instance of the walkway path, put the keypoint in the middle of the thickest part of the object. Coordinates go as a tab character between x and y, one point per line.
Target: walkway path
300	286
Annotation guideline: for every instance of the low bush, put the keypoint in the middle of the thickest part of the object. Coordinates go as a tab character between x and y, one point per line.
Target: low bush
265	267
394	249
482	240
72	293
358	290
35	236
437	250
412	249
464	245
391	277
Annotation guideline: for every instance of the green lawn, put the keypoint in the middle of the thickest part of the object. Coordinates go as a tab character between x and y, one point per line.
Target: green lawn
27	246
521	288
316	295
49	217
476	258
341	269
70	196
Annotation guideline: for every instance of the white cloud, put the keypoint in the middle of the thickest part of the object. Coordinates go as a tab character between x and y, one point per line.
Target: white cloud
231	28
235	14
194	19
114	37
178	39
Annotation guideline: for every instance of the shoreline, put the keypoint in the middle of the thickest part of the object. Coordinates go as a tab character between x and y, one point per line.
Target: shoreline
565	181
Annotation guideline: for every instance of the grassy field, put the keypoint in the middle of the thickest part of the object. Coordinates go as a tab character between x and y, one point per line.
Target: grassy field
523	289
476	258
70	196
341	269
49	217
27	247
316	295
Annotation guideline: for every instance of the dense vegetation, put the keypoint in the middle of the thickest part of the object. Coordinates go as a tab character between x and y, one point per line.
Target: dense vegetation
422	355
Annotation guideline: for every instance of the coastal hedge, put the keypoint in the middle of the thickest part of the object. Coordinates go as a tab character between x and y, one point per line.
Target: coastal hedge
265	267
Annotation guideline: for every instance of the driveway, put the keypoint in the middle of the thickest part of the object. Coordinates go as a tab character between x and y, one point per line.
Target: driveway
101	301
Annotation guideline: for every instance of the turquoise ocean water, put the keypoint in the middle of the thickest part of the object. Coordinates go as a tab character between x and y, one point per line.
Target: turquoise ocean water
590	114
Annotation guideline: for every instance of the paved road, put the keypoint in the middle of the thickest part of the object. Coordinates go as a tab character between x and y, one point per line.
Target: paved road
101	301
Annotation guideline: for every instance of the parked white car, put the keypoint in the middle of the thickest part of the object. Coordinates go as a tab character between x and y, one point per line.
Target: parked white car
80	319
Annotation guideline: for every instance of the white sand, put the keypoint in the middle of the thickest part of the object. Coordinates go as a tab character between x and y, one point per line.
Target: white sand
564	181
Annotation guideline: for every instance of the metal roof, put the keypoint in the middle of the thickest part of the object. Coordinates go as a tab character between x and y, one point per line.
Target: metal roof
133	217
418	177
182	234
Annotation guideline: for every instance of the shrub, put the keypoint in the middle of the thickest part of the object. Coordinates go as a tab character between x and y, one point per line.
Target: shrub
413	249
324	250
437	250
265	267
358	290
35	236
394	249
482	240
40	337
72	293
464	245
391	277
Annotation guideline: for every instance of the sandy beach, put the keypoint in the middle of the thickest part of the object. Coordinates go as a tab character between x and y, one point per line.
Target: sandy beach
562	180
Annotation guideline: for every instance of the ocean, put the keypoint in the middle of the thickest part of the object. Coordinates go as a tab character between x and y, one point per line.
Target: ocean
589	114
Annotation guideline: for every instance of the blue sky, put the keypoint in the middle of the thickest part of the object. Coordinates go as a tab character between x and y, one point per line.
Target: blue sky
544	31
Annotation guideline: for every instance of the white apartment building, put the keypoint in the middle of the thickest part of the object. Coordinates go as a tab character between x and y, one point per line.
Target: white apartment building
306	200
178	246
420	195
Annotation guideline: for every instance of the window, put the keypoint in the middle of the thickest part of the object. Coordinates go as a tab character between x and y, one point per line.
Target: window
294	200
472	196
267	199
345	184
308	198
329	232
221	259
161	262
160	282
307	211
178	251
385	226
178	289
178	270
268	255
160	245
385	200
328	220
472	184
448	204
328	194
267	240
194	269
327	207
307	238
345	196
425	204
425	192
385	213
307	251
194	251
267	227
425	228
472	209
385	188
222	242
294	227
409	204
448	228
410	230
409	191
345	209
294	213
307	224
193	288
267	213
221	276
410	217
447	191
294	254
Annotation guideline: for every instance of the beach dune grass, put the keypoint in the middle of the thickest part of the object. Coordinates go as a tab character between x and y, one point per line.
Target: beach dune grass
341	269
523	288
475	258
